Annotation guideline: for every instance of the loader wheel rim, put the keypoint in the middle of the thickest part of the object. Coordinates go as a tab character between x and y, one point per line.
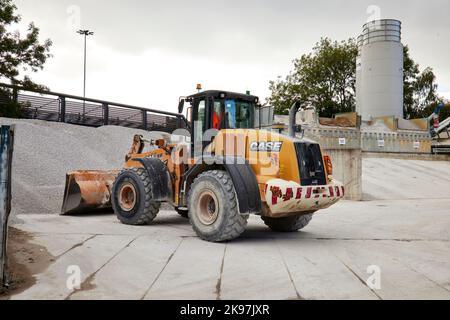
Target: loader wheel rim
207	207
127	196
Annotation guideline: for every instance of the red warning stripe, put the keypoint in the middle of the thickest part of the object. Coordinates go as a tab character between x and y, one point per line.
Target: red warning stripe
288	195
338	192
299	193
331	191
308	193
274	199
311	192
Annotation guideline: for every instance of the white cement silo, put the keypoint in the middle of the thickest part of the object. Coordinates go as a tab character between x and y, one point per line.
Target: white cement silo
379	85
358	75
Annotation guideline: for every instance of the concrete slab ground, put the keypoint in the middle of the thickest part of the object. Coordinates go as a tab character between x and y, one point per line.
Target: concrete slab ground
328	260
403	235
387	178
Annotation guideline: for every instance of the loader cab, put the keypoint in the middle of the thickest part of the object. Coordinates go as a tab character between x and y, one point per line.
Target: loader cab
218	110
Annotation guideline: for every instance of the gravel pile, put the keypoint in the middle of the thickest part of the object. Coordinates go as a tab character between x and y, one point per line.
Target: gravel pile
45	151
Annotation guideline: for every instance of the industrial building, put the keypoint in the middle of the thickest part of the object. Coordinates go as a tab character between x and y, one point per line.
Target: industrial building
378	125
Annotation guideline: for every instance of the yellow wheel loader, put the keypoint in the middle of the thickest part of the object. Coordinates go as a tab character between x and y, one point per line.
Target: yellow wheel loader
221	170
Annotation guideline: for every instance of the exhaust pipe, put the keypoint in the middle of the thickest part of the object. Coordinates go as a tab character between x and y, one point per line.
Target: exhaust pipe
292	113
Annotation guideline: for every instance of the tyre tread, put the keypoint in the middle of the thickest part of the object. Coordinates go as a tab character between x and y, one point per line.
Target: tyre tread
288	224
151	208
236	222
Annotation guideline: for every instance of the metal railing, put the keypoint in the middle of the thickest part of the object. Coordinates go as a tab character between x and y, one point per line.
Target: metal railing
60	107
386	30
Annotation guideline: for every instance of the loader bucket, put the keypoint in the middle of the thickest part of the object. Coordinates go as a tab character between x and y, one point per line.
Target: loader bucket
88	191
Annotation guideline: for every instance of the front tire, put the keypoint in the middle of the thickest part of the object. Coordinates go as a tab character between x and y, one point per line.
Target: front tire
288	224
131	197
213	207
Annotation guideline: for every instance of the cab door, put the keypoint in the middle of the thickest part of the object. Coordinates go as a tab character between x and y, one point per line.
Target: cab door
208	114
199	125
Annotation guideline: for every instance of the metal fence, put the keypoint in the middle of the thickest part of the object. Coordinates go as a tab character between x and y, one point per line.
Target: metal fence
59	107
6	151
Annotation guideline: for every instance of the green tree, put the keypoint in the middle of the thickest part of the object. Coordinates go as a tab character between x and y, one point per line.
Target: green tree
18	54
324	78
410	72
420	88
425	94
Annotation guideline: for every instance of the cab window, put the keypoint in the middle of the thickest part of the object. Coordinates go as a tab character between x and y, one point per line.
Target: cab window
239	114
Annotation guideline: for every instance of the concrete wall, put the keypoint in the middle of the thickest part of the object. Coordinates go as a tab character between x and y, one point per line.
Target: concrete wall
343	145
401	141
347	168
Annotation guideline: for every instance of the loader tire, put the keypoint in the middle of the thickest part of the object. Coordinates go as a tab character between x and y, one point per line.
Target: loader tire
130	197
213	207
288	224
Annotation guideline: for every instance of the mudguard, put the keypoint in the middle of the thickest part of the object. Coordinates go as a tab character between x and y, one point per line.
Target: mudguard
160	178
241	174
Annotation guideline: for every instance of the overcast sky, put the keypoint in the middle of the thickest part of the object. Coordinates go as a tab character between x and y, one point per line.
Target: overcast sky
148	52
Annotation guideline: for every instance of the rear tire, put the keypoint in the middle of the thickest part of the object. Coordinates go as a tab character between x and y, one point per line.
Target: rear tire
288	224
213	207
130	197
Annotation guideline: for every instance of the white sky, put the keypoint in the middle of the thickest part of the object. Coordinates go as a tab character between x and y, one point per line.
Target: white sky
148	53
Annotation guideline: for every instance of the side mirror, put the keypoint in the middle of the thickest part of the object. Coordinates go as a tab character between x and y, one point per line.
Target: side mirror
181	106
